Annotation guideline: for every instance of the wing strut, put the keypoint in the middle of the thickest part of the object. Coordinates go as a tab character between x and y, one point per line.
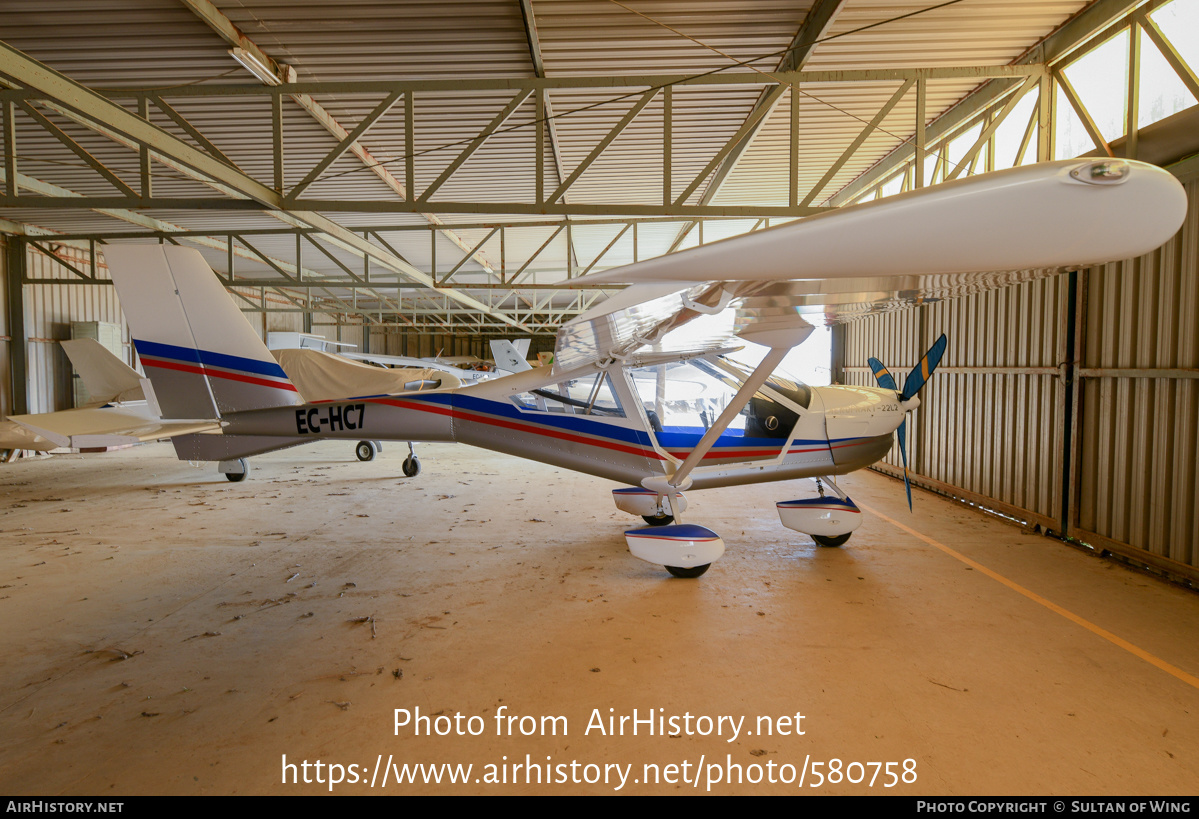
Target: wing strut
751	385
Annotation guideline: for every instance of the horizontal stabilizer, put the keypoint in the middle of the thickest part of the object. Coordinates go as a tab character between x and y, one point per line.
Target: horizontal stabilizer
15	436
107	378
107	426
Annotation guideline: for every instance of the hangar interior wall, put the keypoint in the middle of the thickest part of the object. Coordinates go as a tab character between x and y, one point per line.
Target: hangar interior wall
1070	402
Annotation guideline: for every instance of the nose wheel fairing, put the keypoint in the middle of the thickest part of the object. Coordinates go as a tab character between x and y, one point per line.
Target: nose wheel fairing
681	546
820	517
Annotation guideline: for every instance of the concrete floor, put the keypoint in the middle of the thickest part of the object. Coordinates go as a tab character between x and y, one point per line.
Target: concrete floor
166	631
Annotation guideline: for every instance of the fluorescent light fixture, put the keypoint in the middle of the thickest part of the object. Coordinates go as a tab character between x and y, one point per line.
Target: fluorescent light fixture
255	66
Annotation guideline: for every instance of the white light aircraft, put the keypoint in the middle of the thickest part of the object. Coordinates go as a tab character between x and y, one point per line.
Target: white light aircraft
586	412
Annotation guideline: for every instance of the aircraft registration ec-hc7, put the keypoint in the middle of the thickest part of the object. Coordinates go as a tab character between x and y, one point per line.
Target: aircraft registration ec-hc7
619	403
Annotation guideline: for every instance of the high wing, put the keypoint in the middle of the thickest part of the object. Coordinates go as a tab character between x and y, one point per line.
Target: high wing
941	242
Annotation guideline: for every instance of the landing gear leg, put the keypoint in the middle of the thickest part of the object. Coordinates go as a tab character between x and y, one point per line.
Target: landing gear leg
662	515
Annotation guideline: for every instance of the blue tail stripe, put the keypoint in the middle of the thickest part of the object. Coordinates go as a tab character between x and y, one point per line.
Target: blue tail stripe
209	359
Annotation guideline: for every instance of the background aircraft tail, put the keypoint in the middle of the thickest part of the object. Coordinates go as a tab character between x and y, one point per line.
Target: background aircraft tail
509	357
202	357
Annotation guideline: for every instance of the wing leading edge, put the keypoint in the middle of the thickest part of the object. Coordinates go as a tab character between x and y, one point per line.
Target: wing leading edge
935	243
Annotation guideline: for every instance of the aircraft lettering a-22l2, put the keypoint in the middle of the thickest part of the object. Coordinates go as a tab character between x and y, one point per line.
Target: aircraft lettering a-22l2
619	404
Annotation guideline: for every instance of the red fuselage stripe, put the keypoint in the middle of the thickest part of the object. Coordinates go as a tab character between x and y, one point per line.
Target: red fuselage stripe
191	368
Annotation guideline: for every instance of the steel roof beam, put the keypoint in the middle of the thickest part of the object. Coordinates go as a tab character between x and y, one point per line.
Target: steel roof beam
306	216
98	113
577	83
612	134
1078	32
534	40
815	27
475	144
225	28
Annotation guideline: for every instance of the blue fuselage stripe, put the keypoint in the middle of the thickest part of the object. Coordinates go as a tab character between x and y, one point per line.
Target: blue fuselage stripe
153	349
582	425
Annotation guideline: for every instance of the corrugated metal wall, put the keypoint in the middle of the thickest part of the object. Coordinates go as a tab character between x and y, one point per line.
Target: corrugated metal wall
1137	453
1112	462
992	422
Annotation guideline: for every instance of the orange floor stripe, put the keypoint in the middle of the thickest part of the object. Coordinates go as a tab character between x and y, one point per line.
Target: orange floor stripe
1054	607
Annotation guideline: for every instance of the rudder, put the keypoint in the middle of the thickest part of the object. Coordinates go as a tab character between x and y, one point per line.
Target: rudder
200	353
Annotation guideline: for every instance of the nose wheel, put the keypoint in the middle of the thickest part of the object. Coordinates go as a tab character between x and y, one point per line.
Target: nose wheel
839	540
694	571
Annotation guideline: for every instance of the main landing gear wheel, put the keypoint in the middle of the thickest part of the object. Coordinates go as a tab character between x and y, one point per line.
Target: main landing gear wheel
694	571
365	451
822	540
411	466
659	520
237	477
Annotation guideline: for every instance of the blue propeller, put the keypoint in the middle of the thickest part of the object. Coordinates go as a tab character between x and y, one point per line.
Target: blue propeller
911	385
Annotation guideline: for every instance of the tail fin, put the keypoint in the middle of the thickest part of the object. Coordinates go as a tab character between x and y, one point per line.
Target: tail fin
201	355
508	357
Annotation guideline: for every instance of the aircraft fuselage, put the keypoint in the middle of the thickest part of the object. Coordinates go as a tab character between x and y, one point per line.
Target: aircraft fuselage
842	429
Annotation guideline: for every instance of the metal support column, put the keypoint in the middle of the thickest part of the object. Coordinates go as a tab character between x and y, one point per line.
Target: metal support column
18	363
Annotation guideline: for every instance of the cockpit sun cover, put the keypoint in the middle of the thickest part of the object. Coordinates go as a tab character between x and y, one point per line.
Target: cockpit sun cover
319	376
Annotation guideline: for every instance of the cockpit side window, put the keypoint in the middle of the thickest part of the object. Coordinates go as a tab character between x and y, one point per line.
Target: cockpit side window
590	395
681	398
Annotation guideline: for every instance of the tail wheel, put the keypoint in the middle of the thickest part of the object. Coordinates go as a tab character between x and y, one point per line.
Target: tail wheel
365	451
237	477
694	571
839	540
411	466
